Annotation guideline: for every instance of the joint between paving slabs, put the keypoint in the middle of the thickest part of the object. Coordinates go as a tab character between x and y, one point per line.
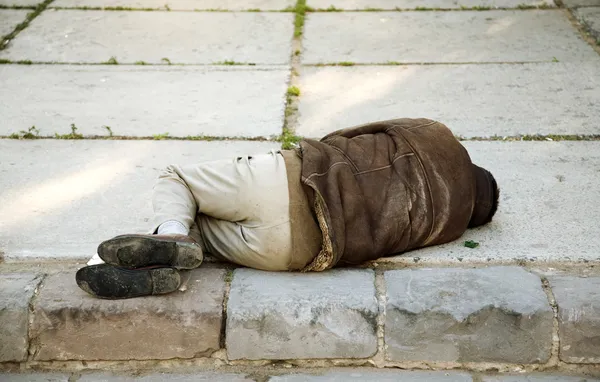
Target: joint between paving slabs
29	18
380	294
228	278
554	352
33	342
288	138
583	31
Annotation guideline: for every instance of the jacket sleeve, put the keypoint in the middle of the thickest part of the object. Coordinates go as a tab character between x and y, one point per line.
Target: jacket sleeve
369	128
380	127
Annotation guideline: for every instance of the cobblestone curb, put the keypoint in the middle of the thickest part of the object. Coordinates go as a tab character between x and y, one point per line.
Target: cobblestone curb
475	318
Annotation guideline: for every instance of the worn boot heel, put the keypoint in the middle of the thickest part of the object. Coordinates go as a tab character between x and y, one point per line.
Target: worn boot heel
107	281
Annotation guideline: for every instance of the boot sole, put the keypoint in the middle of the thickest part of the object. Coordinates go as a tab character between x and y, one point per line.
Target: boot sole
109	282
136	251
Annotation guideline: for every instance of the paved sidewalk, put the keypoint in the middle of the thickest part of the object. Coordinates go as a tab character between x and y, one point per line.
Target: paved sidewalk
99	95
339	375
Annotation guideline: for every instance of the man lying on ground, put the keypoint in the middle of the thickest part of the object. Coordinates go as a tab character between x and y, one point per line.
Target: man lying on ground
356	195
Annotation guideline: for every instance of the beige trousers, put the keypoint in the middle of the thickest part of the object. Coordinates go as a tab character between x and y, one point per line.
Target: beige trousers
237	210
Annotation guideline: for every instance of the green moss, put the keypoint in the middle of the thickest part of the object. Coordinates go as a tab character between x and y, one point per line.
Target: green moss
346	63
229	276
166	60
141	63
332	9
293	91
111	61
300	11
160	137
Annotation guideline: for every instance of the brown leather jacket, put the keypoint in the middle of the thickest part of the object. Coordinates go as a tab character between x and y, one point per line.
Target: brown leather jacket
386	187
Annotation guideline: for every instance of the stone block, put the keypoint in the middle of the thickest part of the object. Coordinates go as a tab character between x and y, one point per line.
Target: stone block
548	98
498	314
181	5
331	314
536	378
143	101
87	191
10	18
362	375
34	377
578	317
160	377
73	36
440	37
69	324
16	291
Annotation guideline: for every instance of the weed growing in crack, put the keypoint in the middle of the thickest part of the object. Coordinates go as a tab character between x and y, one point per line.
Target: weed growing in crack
166	60
300	11
233	63
72	135
31	133
110	132
288	139
111	61
160	137
141	63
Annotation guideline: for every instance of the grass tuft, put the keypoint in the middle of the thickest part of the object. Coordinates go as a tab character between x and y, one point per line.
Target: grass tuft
31	133
72	135
166	60
288	139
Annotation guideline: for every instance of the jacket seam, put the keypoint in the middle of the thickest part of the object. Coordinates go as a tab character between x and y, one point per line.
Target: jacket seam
344	155
324	173
384	167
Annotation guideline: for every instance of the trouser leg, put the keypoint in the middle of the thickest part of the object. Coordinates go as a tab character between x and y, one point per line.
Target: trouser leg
241	207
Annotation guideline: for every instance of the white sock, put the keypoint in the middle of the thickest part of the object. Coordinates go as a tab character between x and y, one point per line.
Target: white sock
172	227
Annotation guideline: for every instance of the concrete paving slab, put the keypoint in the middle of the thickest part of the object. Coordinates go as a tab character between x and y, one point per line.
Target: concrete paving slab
60	199
412	4
21	3
581	3
548	209
281	315
74	36
590	18
473	100
16	291
178	5
375	376
578	317
495	314
438	37
143	100
69	324
10	18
